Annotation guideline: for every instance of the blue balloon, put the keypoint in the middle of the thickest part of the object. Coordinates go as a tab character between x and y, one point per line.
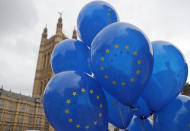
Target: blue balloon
118	114
175	116
168	76
138	124
94	17
74	101
70	54
122	61
141	109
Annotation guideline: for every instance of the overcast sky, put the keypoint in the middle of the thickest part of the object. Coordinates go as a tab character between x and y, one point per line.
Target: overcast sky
22	22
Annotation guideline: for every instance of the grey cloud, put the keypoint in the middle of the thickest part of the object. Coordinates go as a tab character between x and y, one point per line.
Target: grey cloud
17	16
18	44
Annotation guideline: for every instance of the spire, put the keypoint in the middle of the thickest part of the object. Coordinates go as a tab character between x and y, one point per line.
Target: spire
44	35
59	33
74	36
59	24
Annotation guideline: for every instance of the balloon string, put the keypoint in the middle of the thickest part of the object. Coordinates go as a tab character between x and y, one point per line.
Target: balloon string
122	119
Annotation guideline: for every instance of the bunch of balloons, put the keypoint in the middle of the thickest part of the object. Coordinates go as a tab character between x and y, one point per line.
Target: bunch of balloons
115	74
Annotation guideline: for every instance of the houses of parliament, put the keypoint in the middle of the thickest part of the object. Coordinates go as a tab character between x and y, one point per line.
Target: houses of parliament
19	112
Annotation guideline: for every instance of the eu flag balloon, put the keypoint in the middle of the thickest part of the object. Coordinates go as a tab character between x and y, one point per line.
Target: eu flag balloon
168	76
93	17
70	54
138	124
175	116
118	114
73	101
141	109
122	61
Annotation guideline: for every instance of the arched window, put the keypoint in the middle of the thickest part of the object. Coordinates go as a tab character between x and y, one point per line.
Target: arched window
49	59
41	88
44	63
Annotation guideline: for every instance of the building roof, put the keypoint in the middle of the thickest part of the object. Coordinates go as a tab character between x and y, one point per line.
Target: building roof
19	96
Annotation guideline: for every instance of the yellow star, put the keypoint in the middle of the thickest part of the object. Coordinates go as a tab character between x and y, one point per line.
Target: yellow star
106	76
114	82
102	68
108	13
91	91
135	53
109	9
68	101
139	62
123	83
77	126
74	93
66	111
83	90
102	58
70	120
100	114
127	47
107	50
138	72
95	122
116	46
113	104
100	105
97	97
87	127
109	19
132	79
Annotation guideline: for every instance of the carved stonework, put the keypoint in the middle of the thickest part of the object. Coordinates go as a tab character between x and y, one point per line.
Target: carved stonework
43	69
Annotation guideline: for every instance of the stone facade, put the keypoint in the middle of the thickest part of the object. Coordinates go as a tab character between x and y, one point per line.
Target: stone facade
43	69
21	113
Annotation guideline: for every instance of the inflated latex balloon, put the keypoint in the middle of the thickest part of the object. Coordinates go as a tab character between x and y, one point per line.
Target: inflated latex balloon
168	76
118	114
73	101
141	109
93	17
70	54
122	61
138	124
175	116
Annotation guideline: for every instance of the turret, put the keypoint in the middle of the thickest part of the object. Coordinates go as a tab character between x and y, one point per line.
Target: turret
59	33
44	35
59	25
74	36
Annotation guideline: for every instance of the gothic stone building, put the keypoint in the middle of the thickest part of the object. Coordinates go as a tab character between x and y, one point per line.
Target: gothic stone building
43	69
19	112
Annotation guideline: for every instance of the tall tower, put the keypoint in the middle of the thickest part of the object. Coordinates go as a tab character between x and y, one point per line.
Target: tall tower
43	69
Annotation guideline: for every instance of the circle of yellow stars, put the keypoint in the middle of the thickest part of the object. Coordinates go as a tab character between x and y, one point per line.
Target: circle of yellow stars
68	102
138	62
